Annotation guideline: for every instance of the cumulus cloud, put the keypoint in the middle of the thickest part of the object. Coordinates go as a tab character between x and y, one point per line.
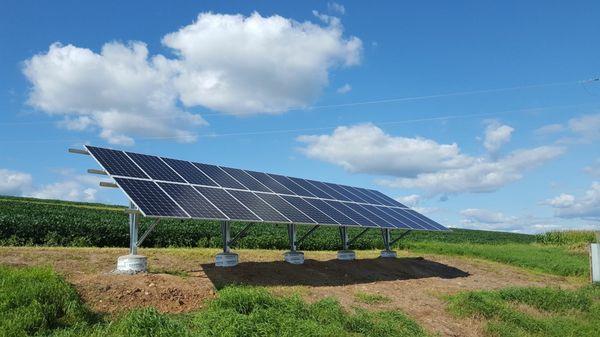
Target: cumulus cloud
14	182
584	207
484	219
582	129
228	63
496	135
65	190
344	89
411	200
336	8
549	129
419	162
594	169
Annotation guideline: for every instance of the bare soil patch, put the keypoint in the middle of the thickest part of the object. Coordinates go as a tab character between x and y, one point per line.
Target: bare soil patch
181	280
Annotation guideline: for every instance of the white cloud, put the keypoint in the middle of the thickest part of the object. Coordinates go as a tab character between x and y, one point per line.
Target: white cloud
336	8
411	200
586	126
346	88
484	219
594	169
228	63
421	163
549	129
65	190
256	64
496	135
584	207
14	182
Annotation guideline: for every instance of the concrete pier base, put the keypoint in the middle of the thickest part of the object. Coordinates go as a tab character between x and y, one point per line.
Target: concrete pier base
226	260
388	254
346	255
294	257
131	264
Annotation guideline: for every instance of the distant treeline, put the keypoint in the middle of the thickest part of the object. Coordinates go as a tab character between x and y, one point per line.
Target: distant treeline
26	221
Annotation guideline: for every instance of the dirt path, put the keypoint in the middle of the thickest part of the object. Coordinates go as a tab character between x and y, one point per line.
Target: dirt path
180	280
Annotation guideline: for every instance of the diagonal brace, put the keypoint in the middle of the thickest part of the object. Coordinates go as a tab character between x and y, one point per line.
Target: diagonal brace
400	237
147	232
358	236
240	234
307	234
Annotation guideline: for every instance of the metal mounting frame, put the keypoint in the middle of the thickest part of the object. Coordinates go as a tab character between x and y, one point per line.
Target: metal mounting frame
307	234
400	237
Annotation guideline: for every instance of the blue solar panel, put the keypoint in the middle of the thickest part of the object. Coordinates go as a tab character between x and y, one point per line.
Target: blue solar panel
311	188
150	198
270	182
285	208
291	185
246	180
309	210
219	176
342	207
390	219
331	212
189	172
328	189
192	202
258	206
116	162
227	204
155	167
175	188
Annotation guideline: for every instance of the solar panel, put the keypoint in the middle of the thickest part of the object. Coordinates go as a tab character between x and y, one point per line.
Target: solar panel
286	208
270	182
246	179
192	202
150	199
258	206
227	204
165	187
310	210
189	172
155	167
116	163
219	176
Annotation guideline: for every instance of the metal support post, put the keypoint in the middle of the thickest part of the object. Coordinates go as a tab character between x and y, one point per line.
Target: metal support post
133	263
345	253
387	252
134	226
293	256
226	258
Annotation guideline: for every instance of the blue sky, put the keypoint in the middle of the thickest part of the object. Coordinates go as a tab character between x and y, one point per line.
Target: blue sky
339	91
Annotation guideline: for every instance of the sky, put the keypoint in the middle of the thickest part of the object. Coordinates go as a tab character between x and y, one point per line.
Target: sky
480	114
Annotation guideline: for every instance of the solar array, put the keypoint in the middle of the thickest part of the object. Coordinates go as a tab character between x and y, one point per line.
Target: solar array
171	188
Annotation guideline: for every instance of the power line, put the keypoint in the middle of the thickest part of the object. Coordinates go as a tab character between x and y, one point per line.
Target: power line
281	131
381	101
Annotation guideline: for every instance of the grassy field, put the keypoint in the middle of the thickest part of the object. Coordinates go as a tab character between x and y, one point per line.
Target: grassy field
26	221
36	301
533	311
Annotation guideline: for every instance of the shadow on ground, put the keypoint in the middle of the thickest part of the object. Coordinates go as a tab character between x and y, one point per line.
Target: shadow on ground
329	273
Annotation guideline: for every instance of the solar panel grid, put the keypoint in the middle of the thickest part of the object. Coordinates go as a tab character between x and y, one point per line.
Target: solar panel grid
258	206
245	179
285	208
227	204
189	172
219	176
150	198
116	162
178	200
155	167
192	201
270	182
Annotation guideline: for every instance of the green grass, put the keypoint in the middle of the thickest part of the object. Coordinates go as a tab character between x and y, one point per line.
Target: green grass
566	237
37	302
370	298
27	222
532	311
548	259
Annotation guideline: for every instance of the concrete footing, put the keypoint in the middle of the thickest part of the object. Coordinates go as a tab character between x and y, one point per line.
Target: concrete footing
388	253
294	257
131	264
346	255
226	260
